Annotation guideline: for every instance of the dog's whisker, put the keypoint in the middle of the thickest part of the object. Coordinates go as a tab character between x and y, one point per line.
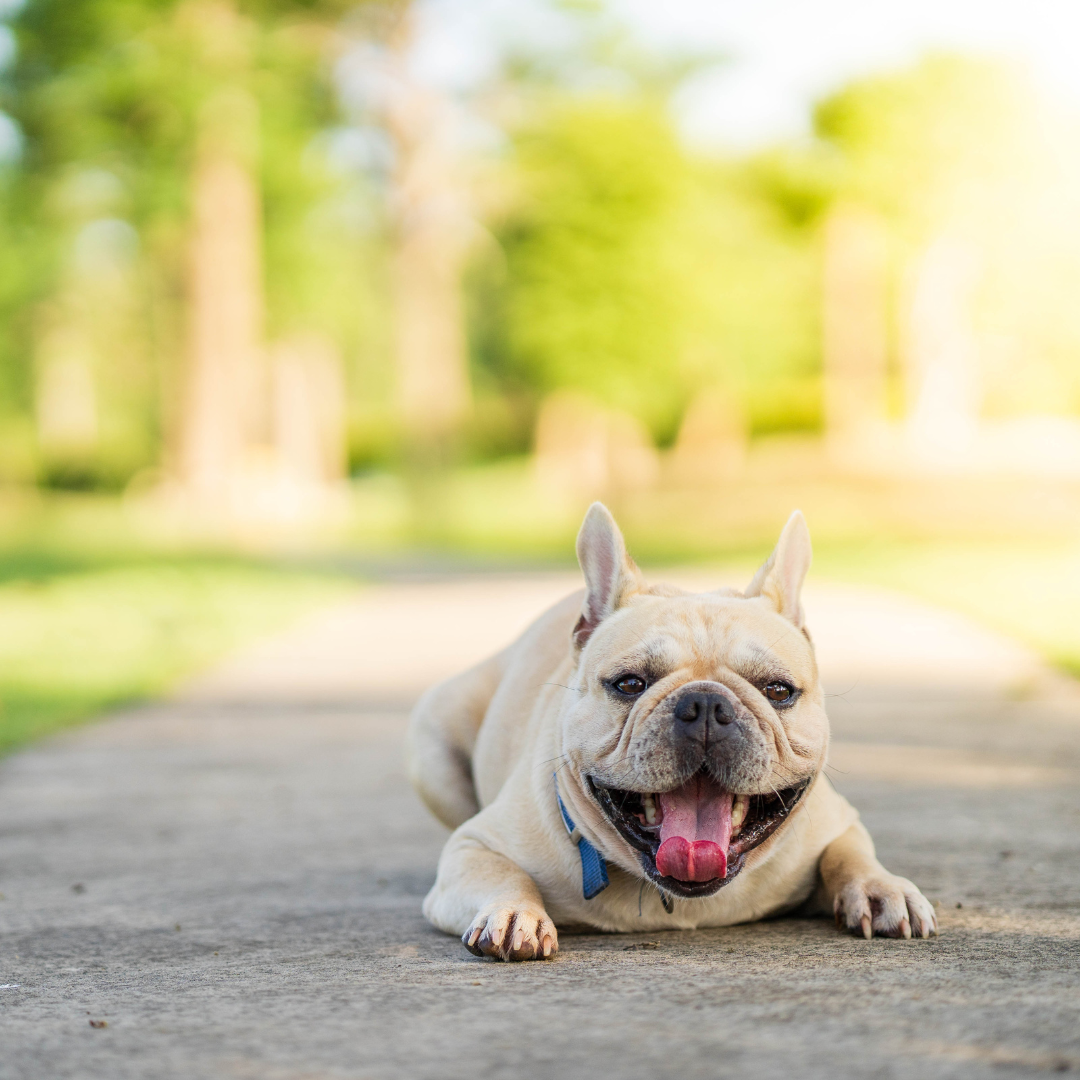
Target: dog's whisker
845	693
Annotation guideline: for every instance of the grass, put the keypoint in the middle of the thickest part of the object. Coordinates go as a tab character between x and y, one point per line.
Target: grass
1005	552
75	641
92	616
1028	591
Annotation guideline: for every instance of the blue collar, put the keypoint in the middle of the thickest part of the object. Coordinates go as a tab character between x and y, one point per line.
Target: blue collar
594	877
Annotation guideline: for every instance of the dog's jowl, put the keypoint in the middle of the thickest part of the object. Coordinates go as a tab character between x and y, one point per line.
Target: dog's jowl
643	759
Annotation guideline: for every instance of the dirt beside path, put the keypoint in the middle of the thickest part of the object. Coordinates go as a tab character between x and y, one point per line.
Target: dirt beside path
231	880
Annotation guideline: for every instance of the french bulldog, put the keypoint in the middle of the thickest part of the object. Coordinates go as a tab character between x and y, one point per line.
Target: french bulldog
646	759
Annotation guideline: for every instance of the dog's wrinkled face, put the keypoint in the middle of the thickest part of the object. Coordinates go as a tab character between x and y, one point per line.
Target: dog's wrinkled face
698	721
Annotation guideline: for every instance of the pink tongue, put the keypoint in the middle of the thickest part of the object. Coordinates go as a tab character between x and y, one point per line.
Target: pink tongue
695	831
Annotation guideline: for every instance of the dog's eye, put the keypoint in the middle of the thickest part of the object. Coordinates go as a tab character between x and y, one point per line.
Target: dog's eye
778	692
631	685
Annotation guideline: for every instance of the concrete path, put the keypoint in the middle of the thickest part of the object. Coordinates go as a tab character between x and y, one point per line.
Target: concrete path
231	880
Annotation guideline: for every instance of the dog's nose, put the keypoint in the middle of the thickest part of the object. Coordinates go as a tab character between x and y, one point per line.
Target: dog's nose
703	706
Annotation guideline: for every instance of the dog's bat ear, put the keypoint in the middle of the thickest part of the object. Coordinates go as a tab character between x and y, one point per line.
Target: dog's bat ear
610	574
781	576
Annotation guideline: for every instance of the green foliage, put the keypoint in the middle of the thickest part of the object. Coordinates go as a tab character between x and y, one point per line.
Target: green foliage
623	265
914	142
750	267
637	274
593	297
972	151
108	95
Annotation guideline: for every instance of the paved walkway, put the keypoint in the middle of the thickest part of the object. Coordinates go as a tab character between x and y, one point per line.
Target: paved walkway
231	880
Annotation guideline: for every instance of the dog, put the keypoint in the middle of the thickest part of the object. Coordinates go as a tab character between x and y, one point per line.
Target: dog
646	759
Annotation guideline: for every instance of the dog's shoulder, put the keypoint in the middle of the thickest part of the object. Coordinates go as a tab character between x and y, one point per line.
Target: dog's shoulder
535	665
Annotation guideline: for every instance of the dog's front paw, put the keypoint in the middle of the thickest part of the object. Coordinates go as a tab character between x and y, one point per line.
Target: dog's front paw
883	904
512	933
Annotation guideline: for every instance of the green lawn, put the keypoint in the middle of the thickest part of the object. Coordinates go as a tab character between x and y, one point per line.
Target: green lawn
1028	591
91	617
1006	551
1017	571
74	641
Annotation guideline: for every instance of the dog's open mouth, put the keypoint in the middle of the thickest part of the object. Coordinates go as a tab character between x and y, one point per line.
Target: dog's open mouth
693	840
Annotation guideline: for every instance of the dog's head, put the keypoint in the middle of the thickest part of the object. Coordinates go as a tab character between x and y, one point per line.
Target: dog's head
698	722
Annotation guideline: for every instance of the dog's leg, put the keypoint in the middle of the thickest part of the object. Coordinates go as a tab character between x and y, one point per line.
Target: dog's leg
442	734
864	897
491	902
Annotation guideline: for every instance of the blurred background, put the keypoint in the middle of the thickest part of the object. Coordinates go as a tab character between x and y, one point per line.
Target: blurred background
300	292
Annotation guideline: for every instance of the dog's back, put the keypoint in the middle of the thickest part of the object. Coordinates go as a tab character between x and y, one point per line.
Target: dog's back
464	733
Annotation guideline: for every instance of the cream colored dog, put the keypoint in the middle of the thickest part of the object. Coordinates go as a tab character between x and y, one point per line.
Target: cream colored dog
645	759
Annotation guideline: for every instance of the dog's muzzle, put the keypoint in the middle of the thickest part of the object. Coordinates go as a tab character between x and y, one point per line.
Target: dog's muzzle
724	826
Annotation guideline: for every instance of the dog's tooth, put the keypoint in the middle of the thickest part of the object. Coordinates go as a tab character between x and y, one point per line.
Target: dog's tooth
650	809
738	812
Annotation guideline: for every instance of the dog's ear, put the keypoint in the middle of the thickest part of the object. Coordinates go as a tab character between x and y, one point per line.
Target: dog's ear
610	574
781	576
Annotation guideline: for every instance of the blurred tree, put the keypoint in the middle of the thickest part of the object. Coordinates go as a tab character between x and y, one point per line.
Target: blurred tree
751	267
179	202
135	110
429	231
593	288
645	277
968	154
919	143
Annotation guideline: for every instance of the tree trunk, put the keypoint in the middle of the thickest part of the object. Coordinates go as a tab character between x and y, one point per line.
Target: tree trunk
430	234
225	409
855	328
